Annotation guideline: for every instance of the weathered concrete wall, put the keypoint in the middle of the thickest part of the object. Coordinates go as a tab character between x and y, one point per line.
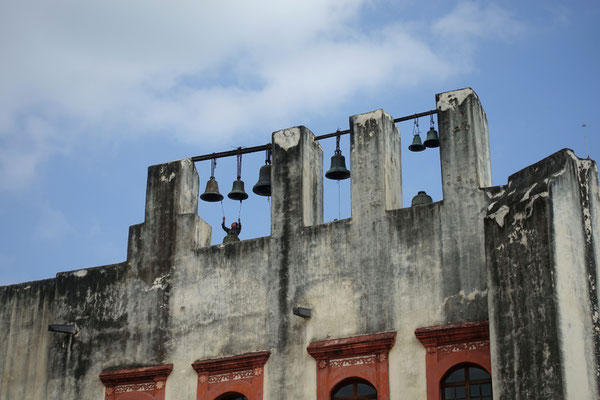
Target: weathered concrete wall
176	299
465	159
25	313
541	243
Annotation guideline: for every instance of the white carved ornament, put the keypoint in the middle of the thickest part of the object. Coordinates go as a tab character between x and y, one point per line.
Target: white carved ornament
346	362
232	376
136	387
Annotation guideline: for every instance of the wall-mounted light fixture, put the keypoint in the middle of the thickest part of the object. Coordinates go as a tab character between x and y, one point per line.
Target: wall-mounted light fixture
60	328
302	312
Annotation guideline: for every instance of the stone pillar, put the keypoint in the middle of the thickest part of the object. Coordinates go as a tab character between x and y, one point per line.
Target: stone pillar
171	219
541	246
465	167
464	143
296	203
376	183
297	179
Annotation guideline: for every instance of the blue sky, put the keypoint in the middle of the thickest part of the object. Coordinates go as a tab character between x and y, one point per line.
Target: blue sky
92	93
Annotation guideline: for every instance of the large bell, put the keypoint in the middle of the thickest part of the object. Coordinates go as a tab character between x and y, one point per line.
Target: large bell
420	199
211	194
237	191
416	144
338	169
263	186
432	139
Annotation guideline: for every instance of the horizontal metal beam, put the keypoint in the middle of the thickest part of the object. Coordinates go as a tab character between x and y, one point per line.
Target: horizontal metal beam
264	147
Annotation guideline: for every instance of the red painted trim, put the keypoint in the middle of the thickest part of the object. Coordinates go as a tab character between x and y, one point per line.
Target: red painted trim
142	382
450	345
242	374
364	357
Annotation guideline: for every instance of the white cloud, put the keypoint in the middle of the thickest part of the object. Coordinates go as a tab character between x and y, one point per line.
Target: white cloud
472	19
53	225
201	70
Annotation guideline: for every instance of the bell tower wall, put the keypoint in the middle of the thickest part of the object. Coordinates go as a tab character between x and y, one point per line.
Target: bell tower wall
177	300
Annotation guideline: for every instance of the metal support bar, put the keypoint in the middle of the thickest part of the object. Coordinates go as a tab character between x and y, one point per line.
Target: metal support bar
264	147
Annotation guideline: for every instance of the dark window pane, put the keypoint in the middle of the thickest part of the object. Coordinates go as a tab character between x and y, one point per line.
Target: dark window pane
364	388
486	398
478	373
486	389
346	390
232	396
460	392
456	376
474	390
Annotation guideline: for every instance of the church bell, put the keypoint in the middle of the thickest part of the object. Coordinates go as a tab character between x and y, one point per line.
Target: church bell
263	186
338	169
432	139
416	144
421	198
237	191
211	194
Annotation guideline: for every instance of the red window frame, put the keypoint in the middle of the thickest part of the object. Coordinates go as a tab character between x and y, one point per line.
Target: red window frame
364	357
242	374
136	383
450	345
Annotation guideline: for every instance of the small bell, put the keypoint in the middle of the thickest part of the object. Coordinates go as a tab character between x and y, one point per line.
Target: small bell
432	139
211	194
420	199
338	170
416	144
237	191
263	186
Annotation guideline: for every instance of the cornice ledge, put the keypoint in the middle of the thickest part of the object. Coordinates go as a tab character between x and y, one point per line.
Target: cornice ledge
353	346
135	375
231	364
441	335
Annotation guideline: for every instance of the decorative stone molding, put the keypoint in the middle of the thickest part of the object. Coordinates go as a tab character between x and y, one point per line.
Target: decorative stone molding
449	345
136	383
242	374
364	357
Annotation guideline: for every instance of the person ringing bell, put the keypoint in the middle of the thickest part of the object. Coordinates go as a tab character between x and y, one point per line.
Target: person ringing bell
233	232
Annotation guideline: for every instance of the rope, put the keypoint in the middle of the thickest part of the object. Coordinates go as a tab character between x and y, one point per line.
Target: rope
339	201
239	163
213	165
222	208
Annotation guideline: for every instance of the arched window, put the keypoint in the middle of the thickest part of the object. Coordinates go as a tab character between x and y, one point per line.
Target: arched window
354	389
467	382
232	396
